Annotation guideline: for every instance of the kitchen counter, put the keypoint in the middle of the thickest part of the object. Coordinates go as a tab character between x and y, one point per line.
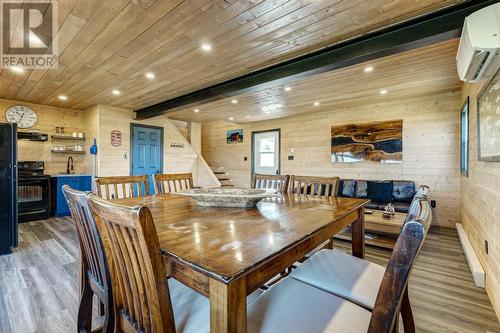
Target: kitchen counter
71	175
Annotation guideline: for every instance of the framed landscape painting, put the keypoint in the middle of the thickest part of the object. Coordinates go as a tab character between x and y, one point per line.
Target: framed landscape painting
378	142
488	118
234	136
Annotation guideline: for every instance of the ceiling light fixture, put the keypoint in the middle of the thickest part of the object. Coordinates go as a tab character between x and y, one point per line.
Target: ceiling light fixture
196	110
368	69
150	75
17	69
316	103
206	47
62	97
247	117
116	92
234	101
383	92
231	118
288	88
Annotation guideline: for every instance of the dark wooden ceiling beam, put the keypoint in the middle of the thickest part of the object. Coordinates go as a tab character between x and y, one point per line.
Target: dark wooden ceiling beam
429	29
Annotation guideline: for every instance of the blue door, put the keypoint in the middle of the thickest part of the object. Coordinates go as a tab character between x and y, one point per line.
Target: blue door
147	154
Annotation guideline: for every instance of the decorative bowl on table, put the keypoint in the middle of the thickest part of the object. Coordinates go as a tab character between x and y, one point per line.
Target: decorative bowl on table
228	196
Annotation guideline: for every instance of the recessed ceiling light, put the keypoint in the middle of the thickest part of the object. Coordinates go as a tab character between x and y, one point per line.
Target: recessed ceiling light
316	103
287	88
368	69
206	47
196	110
150	75
116	92
234	101
247	117
62	97
17	69
383	92
231	118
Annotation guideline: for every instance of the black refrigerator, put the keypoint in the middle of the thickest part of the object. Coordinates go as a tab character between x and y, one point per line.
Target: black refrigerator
8	187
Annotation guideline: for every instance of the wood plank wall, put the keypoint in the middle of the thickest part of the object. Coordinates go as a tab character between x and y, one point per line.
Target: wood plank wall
48	119
112	160
430	146
480	202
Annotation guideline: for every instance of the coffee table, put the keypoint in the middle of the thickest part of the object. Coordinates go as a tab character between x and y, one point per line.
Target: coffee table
385	231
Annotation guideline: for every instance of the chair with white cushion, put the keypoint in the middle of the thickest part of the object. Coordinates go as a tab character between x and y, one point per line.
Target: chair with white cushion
356	280
294	306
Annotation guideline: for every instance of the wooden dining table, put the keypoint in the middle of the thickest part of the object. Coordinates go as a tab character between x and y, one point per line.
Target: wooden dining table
227	253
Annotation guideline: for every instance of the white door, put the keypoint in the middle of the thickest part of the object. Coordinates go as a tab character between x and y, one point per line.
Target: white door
266	153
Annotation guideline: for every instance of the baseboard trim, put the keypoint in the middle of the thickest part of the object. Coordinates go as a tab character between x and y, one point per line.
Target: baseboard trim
474	264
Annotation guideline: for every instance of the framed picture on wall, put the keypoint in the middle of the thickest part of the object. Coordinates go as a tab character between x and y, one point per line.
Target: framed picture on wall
464	138
235	136
380	141
488	121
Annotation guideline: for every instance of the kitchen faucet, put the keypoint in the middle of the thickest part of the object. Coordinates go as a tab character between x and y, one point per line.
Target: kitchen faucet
69	166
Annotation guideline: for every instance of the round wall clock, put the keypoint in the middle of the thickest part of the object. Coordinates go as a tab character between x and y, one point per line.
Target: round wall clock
21	115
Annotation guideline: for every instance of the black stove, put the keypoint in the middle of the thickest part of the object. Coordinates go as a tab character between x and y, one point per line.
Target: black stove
33	191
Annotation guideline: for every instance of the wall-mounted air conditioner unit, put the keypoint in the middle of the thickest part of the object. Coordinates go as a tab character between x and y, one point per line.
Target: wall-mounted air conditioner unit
478	54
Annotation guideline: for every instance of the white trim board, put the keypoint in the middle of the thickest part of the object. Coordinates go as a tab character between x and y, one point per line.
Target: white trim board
474	264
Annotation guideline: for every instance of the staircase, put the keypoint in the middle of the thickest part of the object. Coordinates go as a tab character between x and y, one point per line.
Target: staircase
222	176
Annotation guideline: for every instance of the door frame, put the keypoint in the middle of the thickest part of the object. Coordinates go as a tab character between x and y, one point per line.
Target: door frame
131	157
252	158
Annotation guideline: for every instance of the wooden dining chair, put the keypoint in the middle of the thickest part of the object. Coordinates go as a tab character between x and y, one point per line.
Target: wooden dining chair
122	186
173	182
369	285
275	182
140	284
320	186
145	301
293	305
95	278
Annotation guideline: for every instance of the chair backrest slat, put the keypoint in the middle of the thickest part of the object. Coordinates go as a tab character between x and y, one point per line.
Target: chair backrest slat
122	186
311	185
173	182
395	281
140	280
276	182
93	259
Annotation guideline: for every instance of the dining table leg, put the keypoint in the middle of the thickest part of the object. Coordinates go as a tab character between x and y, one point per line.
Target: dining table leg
358	235
228	306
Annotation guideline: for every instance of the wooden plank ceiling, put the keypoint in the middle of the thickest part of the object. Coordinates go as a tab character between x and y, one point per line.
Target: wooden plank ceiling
112	44
423	71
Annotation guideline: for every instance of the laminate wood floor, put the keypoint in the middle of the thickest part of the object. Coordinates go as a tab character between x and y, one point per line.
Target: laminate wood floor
39	283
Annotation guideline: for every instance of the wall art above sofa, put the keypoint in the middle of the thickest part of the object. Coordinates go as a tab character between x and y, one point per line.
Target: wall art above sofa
377	142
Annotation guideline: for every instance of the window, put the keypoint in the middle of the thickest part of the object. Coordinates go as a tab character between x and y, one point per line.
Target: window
267	160
464	139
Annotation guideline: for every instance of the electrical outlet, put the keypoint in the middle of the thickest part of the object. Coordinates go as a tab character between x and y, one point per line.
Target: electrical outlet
245	158
486	246
433	203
